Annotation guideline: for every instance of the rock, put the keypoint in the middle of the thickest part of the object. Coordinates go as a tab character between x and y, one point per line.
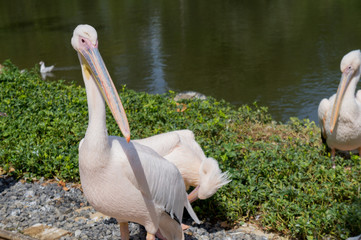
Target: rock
13	236
189	95
41	231
29	193
77	233
96	217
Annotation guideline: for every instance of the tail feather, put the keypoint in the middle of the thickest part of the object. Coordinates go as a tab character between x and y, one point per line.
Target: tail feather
191	212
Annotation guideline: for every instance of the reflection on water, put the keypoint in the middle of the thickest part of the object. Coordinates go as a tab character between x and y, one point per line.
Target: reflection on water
283	54
156	82
47	75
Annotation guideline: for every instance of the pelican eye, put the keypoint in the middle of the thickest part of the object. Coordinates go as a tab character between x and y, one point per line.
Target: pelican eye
82	40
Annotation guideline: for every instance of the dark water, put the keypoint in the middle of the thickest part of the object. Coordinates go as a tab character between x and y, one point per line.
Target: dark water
283	54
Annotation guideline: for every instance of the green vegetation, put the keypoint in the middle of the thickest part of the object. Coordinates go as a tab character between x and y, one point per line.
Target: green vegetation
282	175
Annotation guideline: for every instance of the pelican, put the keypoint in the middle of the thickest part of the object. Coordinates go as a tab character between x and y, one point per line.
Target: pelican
44	69
181	148
340	115
121	178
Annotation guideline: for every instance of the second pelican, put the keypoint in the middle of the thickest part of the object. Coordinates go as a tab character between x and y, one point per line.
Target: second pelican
340	115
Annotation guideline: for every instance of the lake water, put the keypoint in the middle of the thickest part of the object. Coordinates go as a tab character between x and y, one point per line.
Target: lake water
283	54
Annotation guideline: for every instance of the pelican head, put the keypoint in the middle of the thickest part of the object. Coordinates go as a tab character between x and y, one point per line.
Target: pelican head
85	42
211	178
350	68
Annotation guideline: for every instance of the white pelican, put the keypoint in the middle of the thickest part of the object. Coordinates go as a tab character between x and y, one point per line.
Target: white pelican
44	69
340	115
122	179
181	148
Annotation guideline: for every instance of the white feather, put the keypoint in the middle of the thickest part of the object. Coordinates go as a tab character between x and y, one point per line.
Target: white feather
181	148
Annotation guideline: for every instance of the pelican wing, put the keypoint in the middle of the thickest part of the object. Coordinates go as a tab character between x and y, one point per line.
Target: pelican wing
324	111
163	143
166	143
157	178
181	148
358	97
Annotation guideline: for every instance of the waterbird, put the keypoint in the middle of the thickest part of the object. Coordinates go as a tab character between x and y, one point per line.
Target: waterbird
199	171
340	115
122	178
44	69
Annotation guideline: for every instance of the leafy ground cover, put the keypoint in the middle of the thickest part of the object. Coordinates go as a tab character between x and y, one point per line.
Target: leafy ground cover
282	179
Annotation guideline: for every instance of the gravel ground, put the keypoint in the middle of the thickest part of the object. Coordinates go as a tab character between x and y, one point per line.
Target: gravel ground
23	205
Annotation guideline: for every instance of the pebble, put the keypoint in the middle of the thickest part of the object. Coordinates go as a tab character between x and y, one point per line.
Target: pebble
77	233
23	205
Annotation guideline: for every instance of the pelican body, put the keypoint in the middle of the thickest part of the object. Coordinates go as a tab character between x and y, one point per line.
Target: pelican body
121	178
340	115
181	148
